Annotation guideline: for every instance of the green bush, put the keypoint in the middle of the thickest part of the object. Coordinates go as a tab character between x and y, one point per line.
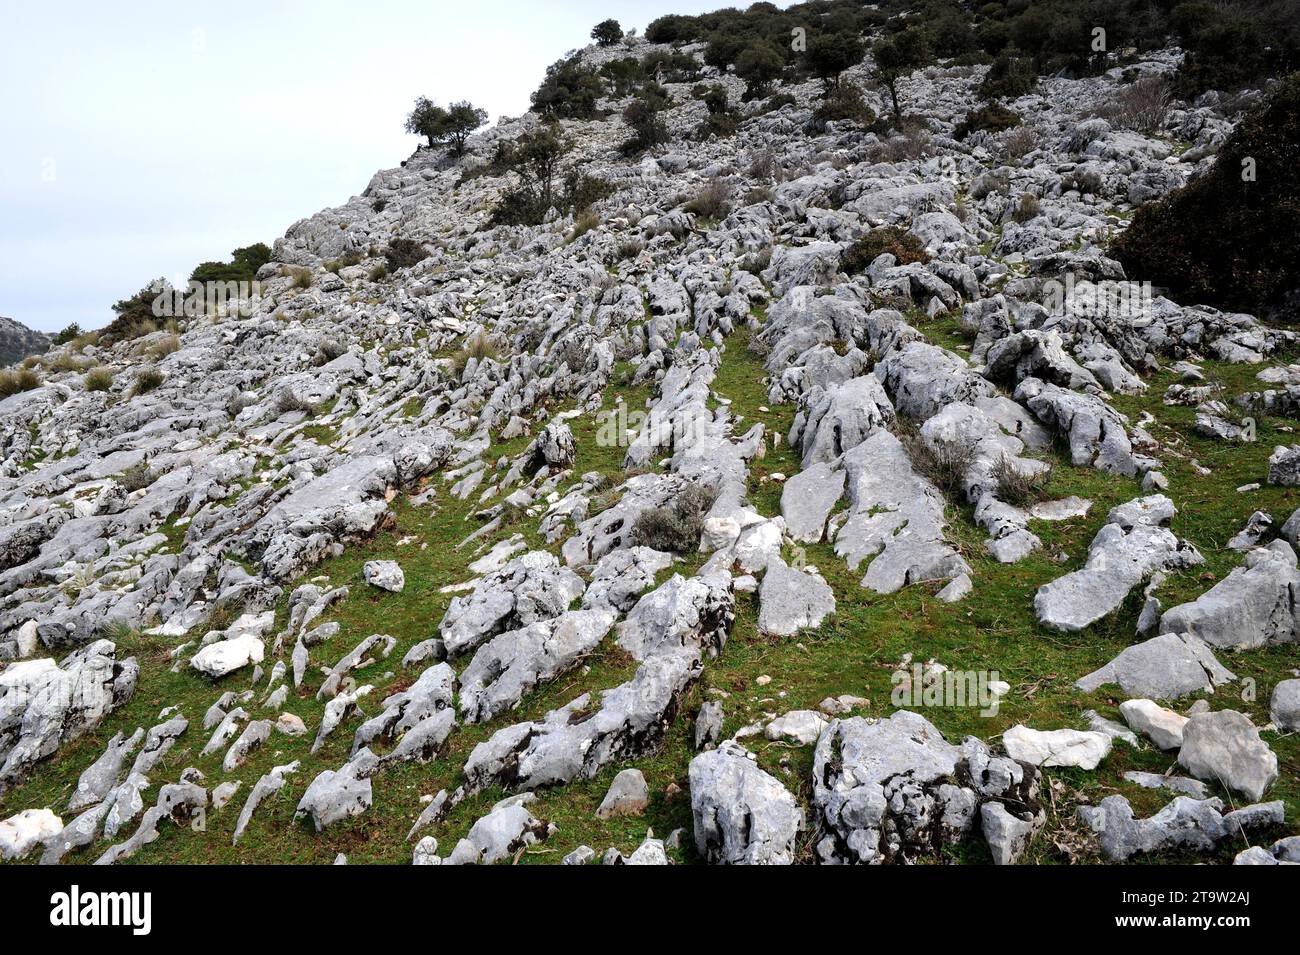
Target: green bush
759	65
1010	76
607	32
843	102
642	114
1226	240
898	242
242	267
68	334
569	91
991	118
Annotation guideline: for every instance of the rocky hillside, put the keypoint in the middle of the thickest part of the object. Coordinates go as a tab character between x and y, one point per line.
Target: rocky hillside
816	493
17	341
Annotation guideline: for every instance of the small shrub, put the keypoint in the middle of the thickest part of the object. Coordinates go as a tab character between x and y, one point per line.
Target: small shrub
137	477
343	262
13	382
288	402
69	333
582	191
1084	182
1010	76
713	202
756	195
98	379
378	273
757	262
148	379
583	224
989	183
1019	142
301	277
404	253
1142	105
913	144
629	249
1018	488
763	165
479	347
165	346
898	242
991	118
676	527
943	463
1027	208
238	403
843	102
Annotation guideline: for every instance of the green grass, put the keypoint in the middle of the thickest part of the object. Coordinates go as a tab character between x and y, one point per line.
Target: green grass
852	652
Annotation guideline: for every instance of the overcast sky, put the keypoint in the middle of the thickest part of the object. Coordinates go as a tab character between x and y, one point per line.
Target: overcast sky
141	139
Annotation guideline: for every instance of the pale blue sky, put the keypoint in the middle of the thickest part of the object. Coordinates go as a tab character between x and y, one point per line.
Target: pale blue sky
142	138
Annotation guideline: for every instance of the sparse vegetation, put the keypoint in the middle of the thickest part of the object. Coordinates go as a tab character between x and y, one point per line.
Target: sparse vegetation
943	463
404	253
893	240
148	379
137	477
675	527
98	379
16	381
713	202
1020	488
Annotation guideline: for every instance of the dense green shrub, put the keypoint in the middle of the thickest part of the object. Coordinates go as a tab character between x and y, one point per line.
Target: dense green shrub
991	118
898	242
68	334
843	102
671	67
135	315
607	32
642	115
1228	239
759	64
1009	76
569	91
830	54
242	267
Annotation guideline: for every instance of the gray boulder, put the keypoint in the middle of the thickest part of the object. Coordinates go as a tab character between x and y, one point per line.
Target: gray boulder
1166	667
743	815
791	600
1224	746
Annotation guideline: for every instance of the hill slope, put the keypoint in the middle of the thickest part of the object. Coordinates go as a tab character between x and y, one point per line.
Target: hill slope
654	477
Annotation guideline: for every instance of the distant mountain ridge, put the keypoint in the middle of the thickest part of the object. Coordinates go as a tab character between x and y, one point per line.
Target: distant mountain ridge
17	341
